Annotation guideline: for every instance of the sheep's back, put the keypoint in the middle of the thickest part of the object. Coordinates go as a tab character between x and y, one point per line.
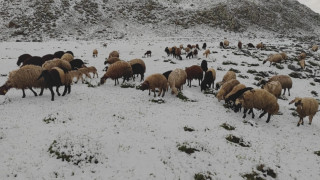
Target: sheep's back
138	61
57	63
25	77
285	81
119	69
194	72
274	87
229	76
157	81
310	106
235	89
264	100
213	72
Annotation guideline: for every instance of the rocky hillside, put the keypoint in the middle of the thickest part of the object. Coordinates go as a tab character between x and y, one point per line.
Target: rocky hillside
39	20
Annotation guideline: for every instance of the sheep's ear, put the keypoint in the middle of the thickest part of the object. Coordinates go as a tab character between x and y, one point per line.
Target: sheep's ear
292	101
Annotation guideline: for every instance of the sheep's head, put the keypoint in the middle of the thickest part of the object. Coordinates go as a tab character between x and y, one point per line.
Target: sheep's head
238	105
218	85
145	85
262	82
4	89
103	80
296	101
265	61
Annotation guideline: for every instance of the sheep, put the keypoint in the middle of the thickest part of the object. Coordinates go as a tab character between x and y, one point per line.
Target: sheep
195	52
114	54
187	50
47	57
260	46
197	46
204	46
314	48
303	55
86	71
178	53
155	81
250	45
58	54
148	53
181	46
23	78
69	52
225	43
111	60
221	45
190	54
22	58
228	76
34	60
167	73
209	78
189	46
95	53
76	64
240	45
177	79
232	97
204	65
67	57
57	63
284	55
138	67
167	50
206	53
234	90
226	88
275	58
274	87
302	63
305	107
194	72
285	81
117	70
259	99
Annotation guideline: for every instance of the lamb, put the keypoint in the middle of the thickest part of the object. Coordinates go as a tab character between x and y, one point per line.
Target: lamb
206	53
204	65
260	46
305	107
148	53
194	72
114	54
155	81
86	71
314	48
117	70
204	46
273	87
111	60
34	60
76	64
240	45
259	99
95	53
209	78
228	76
167	73
57	63
226	88
138	67
22	58
23	78
177	79
285	81
275	58
67	57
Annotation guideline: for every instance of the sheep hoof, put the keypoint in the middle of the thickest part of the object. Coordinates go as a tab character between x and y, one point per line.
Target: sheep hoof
267	121
298	124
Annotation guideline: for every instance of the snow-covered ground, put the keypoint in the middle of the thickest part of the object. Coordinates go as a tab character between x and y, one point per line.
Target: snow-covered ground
127	136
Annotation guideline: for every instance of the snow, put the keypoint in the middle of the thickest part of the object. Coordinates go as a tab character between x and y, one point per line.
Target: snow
132	137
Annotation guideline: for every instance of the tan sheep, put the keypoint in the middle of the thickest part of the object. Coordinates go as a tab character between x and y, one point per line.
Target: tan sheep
112	60
226	89
86	71
226	43
259	99
235	89
117	70
305	107
284	55
187	49
206	53
155	81
95	53
114	54
67	57
23	78
228	76
285	81
302	63
273	87
177	79
302	56
315	48
274	58
57	63
260	46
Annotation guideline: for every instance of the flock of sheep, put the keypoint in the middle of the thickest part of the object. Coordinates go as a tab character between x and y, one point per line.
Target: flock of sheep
60	69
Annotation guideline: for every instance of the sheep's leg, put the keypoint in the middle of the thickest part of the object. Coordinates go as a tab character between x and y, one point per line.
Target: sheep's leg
262	114
251	111
69	89
160	91
52	93
41	92
115	82
310	119
65	90
57	90
284	91
23	94
289	91
149	92
269	115
35	94
142	77
199	82
245	112
154	92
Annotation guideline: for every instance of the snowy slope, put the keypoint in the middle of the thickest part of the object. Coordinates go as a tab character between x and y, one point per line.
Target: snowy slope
130	137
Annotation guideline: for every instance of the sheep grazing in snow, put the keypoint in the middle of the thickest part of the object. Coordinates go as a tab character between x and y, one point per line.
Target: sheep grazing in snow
209	78
57	63
95	53
86	71
226	43
114	54
195	52
194	72
303	55
167	73
240	45
155	81
204	65
232	97
273	87
148	53
178	53
204	46
259	99
34	60
138	67
234	90
67	57
274	58
24	78
177	79
315	48
260	46
250	45
206	53
228	76
226	88
305	107
284	56
285	81
22	58
117	70
190	54
197	46
187	50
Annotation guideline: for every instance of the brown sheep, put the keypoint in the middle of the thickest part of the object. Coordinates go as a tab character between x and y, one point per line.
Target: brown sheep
305	107
274	58
155	81
117	70
240	45
302	63
112	60
228	76
226	88
273	87
206	53
314	48
194	72
285	81
260	46
114	54
95	53
226	43
302	56
57	63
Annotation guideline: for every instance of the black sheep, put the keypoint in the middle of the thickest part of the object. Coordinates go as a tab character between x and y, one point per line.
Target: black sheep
235	96
250	45
190	54
76	64
197	46
58	54
70	52
204	65
204	46
148	53
34	60
48	57
167	51
138	69
221	45
22	58
207	81
51	78
167	73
